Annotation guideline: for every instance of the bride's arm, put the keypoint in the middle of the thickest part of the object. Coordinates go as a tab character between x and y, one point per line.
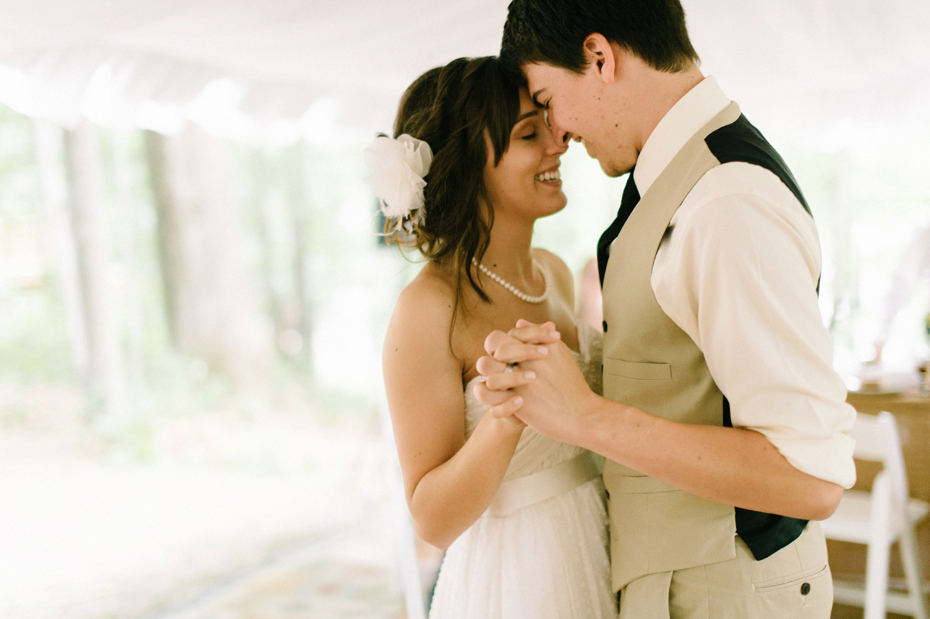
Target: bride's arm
449	482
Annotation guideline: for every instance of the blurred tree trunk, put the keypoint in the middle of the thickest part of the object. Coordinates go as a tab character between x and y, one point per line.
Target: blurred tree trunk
260	204
54	200
297	208
845	299
211	305
104	376
126	225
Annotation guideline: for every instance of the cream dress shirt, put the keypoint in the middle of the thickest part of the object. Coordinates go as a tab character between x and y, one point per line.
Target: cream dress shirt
738	272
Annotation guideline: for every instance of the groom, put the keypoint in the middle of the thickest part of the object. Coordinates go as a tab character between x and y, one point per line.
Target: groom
723	423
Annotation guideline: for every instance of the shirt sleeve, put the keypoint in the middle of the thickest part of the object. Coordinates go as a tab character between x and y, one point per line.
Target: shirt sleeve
738	272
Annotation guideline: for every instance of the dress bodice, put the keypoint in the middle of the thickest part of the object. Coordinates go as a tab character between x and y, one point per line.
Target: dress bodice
536	452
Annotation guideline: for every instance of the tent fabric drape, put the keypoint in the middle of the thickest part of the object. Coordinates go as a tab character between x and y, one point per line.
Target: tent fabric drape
153	63
263	64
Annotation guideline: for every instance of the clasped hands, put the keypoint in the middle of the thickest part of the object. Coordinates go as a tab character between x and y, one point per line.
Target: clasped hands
545	388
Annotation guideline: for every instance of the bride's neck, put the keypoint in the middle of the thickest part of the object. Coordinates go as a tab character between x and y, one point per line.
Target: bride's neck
509	252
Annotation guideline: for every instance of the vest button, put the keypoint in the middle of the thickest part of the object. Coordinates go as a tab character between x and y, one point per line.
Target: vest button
805	588
604	324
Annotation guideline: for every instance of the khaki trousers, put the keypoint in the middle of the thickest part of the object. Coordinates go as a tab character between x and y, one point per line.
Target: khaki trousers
794	582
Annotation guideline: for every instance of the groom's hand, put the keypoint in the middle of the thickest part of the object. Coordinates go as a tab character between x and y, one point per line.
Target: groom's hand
545	390
524	343
506	351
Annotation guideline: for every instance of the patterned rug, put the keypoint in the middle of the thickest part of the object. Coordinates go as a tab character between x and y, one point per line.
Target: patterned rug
349	575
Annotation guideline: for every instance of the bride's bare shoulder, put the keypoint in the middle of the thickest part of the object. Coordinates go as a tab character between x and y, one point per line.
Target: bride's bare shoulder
427	302
417	339
432	286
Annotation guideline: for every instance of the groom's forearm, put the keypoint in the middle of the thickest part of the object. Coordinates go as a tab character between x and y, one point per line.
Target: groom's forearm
733	466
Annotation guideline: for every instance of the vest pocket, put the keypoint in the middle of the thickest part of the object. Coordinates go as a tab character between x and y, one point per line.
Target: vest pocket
637	371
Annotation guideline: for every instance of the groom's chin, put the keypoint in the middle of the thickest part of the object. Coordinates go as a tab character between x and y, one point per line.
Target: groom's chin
612	170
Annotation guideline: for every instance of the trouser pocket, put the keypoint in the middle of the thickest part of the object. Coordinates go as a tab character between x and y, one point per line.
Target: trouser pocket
808	593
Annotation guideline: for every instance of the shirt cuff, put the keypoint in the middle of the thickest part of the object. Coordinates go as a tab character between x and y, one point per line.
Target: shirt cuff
829	459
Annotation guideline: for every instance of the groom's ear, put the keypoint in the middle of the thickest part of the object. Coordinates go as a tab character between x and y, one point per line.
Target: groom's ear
601	56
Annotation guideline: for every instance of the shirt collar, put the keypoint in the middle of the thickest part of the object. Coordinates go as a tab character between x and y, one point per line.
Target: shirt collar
687	116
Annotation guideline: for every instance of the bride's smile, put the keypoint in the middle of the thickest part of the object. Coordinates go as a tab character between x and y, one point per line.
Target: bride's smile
551	177
527	180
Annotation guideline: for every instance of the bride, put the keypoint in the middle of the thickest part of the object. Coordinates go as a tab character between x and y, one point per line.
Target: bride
472	166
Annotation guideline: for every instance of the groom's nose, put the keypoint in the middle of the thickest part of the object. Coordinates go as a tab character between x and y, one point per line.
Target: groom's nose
561	136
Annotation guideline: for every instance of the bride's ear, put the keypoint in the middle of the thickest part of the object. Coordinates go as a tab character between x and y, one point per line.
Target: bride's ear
601	57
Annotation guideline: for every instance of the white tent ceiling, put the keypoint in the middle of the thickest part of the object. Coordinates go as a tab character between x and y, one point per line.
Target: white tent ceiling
254	67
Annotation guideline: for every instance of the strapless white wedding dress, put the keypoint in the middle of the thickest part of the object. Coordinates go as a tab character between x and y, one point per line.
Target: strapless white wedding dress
541	550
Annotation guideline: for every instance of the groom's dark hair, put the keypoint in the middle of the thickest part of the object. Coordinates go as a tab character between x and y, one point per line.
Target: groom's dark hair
553	32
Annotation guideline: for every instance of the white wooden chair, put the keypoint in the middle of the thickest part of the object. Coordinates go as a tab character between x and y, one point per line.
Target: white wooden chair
878	519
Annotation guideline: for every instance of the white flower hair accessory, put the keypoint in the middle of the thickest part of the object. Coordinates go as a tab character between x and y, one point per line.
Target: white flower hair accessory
397	170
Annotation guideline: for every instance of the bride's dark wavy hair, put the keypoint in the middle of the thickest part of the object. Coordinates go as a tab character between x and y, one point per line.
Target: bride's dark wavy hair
450	108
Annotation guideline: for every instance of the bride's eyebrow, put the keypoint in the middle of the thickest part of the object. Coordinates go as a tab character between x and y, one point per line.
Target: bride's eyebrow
526	115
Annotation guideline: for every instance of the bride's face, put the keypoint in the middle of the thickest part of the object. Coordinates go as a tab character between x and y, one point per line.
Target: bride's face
526	181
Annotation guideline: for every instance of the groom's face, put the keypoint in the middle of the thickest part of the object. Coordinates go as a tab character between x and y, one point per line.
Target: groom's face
578	109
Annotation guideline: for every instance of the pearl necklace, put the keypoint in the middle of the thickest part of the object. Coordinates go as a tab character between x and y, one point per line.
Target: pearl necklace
518	293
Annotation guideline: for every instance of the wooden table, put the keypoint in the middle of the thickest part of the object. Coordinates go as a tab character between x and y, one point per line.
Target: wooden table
910	403
912	412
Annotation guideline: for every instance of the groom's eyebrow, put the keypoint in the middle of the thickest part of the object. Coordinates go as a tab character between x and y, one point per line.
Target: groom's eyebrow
535	98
